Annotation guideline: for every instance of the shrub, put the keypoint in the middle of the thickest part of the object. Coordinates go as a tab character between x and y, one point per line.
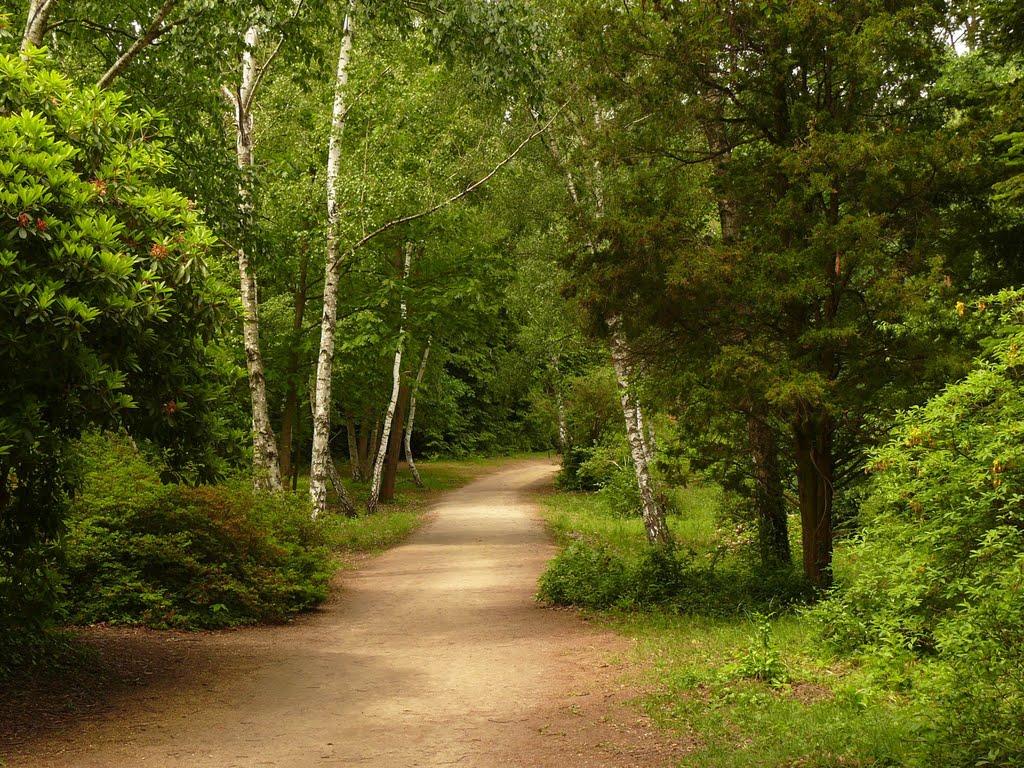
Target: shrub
592	575
141	552
936	575
586	576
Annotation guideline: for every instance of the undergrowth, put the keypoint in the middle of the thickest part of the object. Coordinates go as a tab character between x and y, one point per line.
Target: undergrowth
732	663
606	564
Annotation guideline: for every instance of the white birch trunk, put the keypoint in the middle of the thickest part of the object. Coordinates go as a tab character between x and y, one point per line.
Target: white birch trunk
35	23
347	506
266	469
325	361
563	421
654	516
412	417
645	431
396	383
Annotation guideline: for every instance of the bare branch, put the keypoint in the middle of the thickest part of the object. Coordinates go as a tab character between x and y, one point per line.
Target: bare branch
230	96
262	68
456	197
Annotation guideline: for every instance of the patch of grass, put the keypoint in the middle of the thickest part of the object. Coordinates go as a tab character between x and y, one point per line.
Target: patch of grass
754	689
826	714
606	562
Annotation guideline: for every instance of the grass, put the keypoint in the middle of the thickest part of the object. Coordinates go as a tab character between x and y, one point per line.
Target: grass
703	673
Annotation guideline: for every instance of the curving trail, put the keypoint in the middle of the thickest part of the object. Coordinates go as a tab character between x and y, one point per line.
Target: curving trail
435	654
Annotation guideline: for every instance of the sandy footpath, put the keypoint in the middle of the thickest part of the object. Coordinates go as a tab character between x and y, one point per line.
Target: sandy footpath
433	654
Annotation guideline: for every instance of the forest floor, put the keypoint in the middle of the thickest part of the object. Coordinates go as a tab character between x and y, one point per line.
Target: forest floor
432	654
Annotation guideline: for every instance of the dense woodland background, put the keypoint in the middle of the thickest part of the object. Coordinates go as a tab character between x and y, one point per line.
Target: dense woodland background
751	267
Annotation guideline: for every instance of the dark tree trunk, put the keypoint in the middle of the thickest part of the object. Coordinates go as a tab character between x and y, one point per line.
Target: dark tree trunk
290	417
363	449
394	447
815	474
770	503
353	449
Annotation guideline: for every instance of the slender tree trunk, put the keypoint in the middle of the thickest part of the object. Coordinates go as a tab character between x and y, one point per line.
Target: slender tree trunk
325	360
354	455
290	416
654	515
412	416
394	446
332	473
815	476
396	385
35	23
364	449
645	430
769	500
563	421
266	469
152	32
374	450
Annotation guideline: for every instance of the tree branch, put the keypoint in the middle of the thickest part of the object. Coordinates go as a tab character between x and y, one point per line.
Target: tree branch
154	31
262	69
456	197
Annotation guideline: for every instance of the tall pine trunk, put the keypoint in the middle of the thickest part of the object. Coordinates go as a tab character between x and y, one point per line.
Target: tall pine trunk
332	274
769	500
266	469
396	386
412	416
654	515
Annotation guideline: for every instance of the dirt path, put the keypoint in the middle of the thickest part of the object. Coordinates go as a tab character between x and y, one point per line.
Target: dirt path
435	654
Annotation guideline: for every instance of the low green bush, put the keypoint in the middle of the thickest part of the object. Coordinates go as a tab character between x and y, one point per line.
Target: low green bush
594	576
934	581
138	551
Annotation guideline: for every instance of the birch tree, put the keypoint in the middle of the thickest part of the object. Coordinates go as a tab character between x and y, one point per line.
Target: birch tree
412	415
266	466
655	524
396	382
332	272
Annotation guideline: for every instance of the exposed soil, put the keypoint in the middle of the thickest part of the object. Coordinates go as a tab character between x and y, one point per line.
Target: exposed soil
433	654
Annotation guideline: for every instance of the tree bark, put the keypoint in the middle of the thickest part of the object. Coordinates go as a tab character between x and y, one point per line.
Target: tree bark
153	31
654	515
266	468
290	416
563	421
374	447
394	447
412	416
332	473
364	449
354	455
396	386
769	500
815	474
35	23
325	360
